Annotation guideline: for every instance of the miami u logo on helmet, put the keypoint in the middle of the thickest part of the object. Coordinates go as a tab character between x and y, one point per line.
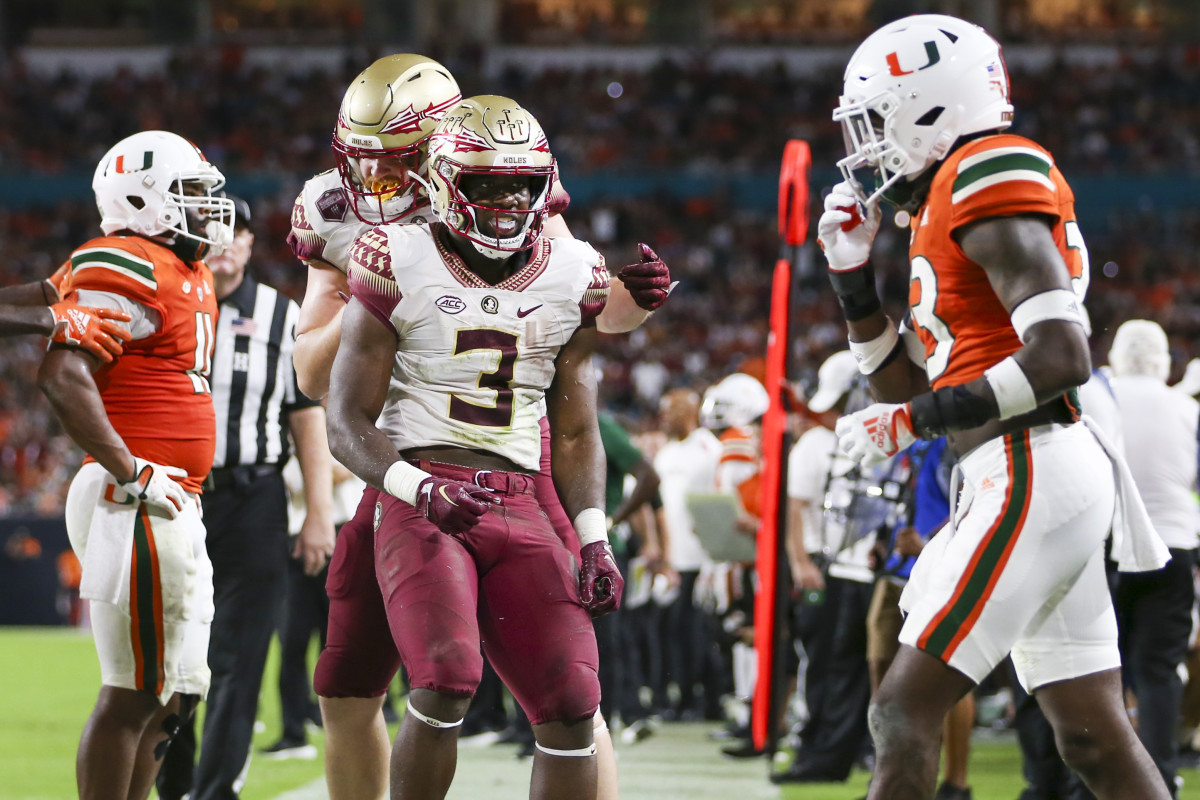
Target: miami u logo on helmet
931	52
147	162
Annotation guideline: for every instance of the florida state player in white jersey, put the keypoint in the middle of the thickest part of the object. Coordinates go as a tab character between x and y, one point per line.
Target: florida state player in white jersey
458	333
388	113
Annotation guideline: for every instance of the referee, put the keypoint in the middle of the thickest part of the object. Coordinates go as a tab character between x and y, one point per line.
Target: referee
245	511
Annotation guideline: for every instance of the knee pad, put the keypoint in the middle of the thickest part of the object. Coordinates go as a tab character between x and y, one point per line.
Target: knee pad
598	723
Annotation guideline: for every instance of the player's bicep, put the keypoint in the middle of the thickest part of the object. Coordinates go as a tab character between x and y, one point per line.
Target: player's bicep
322	296
571	400
1021	260
1018	254
362	368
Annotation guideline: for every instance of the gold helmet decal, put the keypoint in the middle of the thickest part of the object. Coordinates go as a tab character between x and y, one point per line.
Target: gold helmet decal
387	113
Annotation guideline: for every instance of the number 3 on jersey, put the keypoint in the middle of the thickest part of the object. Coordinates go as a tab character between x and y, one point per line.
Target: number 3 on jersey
498	380
922	299
923	289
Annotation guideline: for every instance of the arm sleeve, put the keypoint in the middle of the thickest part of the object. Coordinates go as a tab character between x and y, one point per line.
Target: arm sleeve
306	243
1003	176
370	276
144	322
595	297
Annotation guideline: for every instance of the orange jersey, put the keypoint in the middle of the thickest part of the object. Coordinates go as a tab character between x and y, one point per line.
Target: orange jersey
739	465
960	320
156	393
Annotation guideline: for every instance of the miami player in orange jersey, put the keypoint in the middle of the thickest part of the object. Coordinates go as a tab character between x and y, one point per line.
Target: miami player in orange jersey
993	354
146	423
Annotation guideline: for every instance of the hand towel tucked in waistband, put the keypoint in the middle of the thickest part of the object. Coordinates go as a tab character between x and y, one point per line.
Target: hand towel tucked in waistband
1137	547
106	563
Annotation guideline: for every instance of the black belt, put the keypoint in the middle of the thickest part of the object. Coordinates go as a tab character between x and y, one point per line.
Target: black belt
242	475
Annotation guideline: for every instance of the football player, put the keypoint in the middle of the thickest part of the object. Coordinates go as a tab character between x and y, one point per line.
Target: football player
991	355
386	116
461	336
145	419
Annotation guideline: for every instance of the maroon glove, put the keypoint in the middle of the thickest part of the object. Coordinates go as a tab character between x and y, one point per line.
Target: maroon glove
453	506
600	582
648	281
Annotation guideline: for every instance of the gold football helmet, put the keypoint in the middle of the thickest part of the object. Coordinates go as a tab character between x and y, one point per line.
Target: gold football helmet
481	146
387	113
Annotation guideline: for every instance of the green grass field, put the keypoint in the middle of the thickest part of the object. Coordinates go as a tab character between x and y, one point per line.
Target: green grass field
51	679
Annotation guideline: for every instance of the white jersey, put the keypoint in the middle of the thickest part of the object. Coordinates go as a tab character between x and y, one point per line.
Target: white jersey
473	361
324	226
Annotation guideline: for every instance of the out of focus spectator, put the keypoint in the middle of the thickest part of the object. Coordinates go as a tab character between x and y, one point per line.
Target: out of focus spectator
1154	609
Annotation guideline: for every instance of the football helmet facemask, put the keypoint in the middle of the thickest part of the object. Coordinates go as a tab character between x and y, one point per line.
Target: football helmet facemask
734	402
387	114
485	149
911	90
158	184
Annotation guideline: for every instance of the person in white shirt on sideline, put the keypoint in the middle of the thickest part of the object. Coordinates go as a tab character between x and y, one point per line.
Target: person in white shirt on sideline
1154	608
687	464
824	515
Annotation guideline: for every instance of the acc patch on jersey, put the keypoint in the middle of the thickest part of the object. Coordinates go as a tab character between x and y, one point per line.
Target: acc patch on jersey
450	304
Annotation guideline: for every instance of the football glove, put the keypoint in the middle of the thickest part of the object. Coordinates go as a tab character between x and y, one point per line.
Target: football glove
845	231
153	485
600	583
453	506
648	281
89	328
876	433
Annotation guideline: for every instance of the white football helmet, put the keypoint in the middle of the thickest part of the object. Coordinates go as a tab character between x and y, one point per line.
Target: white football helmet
734	402
1140	347
388	112
485	136
911	90
140	187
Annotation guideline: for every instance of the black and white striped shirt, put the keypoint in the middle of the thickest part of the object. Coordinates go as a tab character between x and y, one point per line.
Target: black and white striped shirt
253	382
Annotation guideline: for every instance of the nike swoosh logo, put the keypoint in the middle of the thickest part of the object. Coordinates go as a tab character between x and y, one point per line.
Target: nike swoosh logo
525	312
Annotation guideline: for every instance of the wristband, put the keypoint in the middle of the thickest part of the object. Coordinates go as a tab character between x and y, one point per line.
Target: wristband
590	527
1055	304
402	480
876	354
1014	395
951	408
855	290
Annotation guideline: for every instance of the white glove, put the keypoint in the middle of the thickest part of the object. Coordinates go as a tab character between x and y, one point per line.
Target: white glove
845	231
153	485
876	433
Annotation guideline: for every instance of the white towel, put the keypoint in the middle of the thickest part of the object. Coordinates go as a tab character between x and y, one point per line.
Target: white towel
107	559
1137	547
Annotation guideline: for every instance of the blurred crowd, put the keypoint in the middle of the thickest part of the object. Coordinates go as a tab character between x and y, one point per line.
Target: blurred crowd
1133	118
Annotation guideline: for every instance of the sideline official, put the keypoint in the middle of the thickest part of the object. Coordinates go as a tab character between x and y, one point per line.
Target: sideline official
257	404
